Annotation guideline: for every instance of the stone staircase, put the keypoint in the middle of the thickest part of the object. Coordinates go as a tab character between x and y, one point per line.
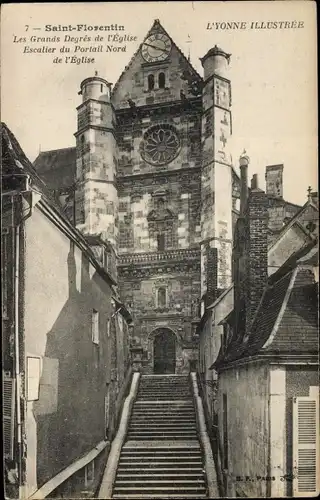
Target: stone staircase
161	457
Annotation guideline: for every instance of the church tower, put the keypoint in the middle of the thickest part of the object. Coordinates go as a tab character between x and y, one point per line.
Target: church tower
158	105
216	175
96	197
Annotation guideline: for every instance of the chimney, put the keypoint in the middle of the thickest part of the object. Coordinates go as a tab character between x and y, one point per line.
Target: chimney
313	196
256	250
244	162
274	181
254	182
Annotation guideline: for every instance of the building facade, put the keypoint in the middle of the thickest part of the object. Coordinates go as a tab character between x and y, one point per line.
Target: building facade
258	356
66	358
151	174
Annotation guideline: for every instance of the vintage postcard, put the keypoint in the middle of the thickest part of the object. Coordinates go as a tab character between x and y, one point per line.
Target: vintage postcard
159	243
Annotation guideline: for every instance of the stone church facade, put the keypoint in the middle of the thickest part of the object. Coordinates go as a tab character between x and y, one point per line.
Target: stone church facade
152	175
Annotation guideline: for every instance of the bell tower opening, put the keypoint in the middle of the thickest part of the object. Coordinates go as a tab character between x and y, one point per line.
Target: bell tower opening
164	352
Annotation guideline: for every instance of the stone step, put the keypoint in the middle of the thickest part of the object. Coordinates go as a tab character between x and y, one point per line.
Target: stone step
164	411
154	454
167	417
163	482
160	430
162	426
159	459
169	393
165	400
142	496
158	489
164	388
157	413
141	477
160	385
181	395
155	445
173	432
160	451
154	464
165	421
161	435
160	470
163	403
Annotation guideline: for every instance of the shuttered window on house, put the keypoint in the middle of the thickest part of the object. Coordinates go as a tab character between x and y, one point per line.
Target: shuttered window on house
305	447
8	415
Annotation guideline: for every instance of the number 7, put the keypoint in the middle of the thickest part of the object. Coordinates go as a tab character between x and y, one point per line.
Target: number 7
27	27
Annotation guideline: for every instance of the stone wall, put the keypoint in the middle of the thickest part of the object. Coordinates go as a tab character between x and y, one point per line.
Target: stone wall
132	134
209	346
141	278
81	374
96	197
167	204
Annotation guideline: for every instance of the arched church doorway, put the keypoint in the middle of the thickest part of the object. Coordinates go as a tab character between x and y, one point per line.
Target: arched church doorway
164	352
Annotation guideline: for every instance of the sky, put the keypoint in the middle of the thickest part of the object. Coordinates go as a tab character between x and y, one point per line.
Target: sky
272	71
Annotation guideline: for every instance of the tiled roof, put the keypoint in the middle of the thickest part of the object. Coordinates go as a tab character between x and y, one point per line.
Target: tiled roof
298	328
286	321
57	167
14	161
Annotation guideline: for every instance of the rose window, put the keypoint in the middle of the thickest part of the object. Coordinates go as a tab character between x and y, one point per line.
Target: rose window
160	145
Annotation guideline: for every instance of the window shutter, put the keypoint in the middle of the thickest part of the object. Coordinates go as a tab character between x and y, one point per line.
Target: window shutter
305	447
8	415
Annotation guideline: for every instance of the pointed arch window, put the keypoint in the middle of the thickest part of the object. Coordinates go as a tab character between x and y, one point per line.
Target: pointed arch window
150	82
162	80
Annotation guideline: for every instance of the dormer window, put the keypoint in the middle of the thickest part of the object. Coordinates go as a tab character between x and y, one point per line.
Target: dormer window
150	82
162	80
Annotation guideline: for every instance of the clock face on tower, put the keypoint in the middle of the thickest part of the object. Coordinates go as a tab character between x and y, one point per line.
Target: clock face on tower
156	47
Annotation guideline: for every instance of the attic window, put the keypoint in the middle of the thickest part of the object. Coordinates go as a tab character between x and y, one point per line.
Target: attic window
162	80
150	82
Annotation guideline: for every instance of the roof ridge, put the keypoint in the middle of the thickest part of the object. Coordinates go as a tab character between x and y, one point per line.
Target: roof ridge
57	149
155	23
292	221
283	307
273	197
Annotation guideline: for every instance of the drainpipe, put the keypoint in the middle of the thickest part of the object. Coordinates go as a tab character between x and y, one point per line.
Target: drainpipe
17	351
16	263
